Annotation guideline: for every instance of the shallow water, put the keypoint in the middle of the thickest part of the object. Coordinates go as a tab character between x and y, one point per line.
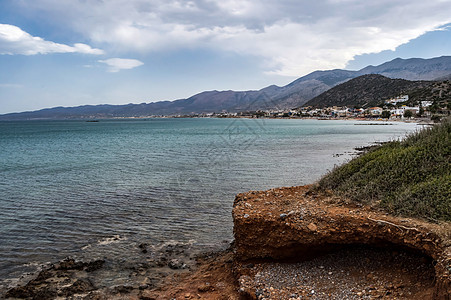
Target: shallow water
96	189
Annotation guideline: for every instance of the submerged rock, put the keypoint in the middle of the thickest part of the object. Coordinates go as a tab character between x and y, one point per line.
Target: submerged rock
63	279
176	264
79	286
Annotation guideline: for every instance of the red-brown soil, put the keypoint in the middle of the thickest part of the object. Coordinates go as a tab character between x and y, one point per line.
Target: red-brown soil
214	279
300	224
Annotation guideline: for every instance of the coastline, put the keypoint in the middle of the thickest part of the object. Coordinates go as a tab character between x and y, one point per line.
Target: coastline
366	252
426	121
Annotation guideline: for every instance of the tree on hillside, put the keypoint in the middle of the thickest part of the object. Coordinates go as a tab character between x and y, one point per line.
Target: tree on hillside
434	107
420	112
386	114
408	114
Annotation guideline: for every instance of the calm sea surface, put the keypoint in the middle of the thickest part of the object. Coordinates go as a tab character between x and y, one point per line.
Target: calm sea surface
96	189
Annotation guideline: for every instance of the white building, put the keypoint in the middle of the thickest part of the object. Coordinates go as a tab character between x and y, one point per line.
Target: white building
375	111
426	103
398	99
399	112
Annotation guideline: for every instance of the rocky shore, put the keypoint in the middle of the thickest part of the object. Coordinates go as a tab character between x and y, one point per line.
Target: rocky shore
290	243
107	278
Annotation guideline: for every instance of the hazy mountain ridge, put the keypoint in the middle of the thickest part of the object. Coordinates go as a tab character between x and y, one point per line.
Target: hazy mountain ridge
412	68
295	94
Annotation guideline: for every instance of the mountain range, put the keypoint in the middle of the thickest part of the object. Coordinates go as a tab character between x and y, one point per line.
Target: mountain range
295	94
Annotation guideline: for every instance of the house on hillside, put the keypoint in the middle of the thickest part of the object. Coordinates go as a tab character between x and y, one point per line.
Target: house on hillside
375	111
399	112
340	111
398	99
356	111
426	103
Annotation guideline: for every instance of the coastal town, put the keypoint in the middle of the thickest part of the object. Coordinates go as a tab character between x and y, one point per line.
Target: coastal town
397	108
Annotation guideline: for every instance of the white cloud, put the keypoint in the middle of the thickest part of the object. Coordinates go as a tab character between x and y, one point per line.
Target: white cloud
117	64
292	37
14	40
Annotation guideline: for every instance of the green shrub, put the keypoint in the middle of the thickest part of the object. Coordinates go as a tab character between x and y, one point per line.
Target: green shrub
410	177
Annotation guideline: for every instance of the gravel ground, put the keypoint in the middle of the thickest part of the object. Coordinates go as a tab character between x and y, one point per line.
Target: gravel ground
354	273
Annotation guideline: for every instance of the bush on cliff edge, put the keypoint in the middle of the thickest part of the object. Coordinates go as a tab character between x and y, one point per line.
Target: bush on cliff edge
410	177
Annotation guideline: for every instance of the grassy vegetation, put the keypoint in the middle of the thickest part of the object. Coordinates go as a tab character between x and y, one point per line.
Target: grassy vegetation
410	177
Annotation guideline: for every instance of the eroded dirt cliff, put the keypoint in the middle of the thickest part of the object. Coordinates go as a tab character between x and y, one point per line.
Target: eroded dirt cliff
298	224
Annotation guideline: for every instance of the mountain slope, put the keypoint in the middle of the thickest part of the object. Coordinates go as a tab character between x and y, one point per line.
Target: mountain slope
412	68
292	95
438	92
365	91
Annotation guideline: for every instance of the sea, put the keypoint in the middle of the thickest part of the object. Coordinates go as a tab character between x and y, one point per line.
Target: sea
98	189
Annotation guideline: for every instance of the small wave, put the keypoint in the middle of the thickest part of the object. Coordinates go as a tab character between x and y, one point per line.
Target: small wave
109	240
38	265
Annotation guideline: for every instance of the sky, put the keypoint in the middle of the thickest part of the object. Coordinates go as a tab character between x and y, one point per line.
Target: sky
78	52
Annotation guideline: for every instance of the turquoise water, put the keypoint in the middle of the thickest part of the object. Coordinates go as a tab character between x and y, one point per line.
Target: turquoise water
96	189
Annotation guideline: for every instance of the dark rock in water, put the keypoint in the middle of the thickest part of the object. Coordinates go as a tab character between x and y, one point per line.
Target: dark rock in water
71	264
26	292
35	289
43	275
94	265
143	247
32	292
70	277
79	286
176	264
123	289
56	281
175	248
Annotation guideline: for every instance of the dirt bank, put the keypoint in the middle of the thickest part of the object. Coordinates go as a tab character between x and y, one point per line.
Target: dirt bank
299	224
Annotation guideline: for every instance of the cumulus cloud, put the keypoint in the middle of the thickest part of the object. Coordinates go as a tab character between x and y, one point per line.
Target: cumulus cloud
117	64
292	37
14	40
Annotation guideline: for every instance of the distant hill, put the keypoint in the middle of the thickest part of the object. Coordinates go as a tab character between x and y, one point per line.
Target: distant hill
292	95
366	91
